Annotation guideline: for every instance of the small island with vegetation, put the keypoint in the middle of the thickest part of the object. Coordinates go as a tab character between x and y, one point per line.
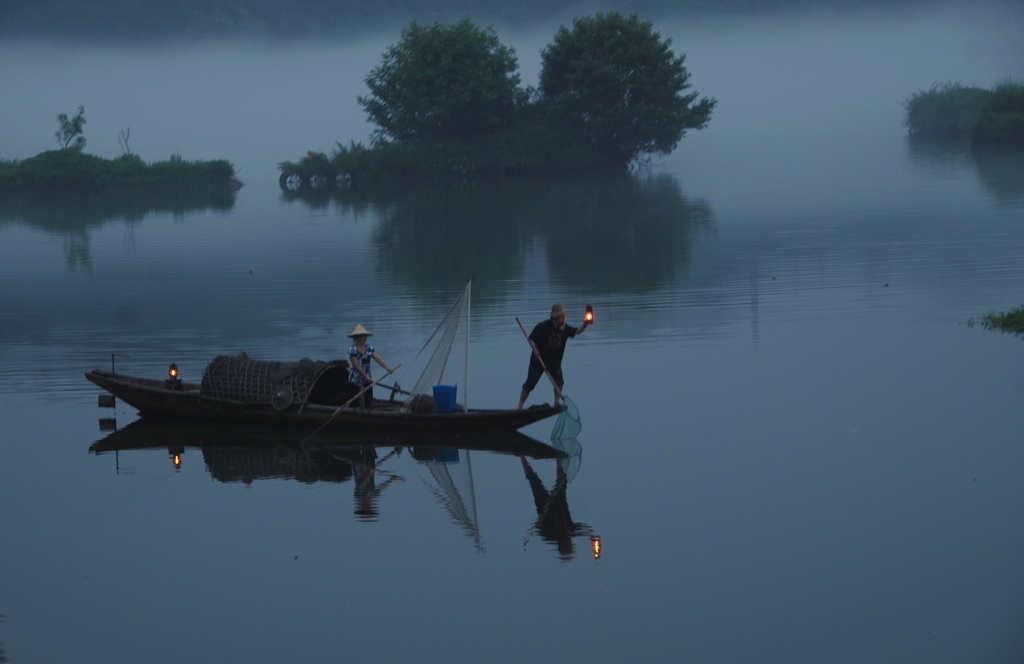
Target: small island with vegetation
70	171
956	111
447	103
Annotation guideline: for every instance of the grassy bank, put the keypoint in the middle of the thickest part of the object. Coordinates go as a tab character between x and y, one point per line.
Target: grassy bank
952	110
515	153
72	172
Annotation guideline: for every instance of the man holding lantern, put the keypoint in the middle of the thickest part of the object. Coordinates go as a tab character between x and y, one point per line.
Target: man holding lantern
548	341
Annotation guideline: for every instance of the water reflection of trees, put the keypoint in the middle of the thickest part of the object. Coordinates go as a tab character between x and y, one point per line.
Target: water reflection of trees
616	233
1000	170
620	234
72	217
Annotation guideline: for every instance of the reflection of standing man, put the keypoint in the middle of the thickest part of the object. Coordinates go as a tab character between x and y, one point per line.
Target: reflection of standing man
554	523
548	341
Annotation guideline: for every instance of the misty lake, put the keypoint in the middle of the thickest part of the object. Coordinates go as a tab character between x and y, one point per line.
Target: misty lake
795	448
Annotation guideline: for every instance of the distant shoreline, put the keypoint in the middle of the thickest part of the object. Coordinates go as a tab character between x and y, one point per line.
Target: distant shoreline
985	117
72	172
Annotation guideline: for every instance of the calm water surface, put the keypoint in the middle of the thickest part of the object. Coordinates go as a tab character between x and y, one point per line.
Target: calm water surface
794	446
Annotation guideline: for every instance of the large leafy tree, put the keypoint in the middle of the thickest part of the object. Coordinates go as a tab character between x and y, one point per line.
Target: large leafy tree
613	81
441	82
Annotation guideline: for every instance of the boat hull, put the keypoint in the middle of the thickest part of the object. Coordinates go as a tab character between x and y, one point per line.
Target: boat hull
185	400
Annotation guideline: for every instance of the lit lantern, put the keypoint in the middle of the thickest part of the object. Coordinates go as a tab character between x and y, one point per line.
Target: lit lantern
595	546
589	316
173	381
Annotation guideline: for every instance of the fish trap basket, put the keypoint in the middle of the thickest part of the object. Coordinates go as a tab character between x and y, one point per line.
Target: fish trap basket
244	380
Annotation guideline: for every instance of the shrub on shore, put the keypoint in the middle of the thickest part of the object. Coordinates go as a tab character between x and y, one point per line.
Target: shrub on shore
71	171
1002	120
1011	321
953	110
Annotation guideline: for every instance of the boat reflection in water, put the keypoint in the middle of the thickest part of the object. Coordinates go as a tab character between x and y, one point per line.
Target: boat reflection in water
245	454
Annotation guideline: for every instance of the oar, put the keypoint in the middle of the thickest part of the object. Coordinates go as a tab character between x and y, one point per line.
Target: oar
360	392
395	389
343	406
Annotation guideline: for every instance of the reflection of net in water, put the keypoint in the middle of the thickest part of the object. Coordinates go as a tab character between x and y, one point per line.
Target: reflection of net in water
573	451
455	491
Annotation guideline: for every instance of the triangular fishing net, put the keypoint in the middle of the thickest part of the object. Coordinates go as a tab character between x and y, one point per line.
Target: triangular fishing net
444	337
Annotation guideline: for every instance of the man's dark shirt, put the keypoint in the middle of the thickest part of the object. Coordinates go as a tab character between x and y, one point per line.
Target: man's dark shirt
550	342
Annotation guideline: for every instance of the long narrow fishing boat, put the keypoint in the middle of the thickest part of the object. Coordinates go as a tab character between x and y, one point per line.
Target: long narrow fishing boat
312	408
315	395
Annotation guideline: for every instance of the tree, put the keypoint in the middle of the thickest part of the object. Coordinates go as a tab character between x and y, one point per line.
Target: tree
70	133
441	82
617	82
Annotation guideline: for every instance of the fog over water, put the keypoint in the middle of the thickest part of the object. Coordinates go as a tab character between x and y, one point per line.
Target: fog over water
253	103
809	88
794	447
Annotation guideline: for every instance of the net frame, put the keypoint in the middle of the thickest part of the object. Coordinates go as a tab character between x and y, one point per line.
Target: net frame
445	335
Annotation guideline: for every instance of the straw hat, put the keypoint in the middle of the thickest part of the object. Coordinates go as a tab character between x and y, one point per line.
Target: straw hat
557	310
360	331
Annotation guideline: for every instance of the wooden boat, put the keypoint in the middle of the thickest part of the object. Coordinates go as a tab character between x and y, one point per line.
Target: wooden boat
319	402
315	395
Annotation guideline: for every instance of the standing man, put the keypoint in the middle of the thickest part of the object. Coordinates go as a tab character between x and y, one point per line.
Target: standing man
548	341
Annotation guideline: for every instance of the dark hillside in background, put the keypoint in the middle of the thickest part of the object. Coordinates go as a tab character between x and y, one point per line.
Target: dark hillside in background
128	21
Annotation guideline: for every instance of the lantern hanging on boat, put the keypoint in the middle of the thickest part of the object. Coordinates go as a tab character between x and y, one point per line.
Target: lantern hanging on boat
173	380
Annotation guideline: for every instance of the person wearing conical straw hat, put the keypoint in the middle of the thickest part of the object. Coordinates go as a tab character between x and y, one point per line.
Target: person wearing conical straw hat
359	356
548	342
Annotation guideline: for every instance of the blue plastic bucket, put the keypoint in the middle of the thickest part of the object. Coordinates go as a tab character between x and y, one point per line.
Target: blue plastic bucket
444	397
447	455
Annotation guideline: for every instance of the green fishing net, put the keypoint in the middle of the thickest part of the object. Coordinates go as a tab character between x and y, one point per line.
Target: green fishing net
568	424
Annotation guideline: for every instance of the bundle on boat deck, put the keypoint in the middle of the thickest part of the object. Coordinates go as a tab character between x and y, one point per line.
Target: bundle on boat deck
244	380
